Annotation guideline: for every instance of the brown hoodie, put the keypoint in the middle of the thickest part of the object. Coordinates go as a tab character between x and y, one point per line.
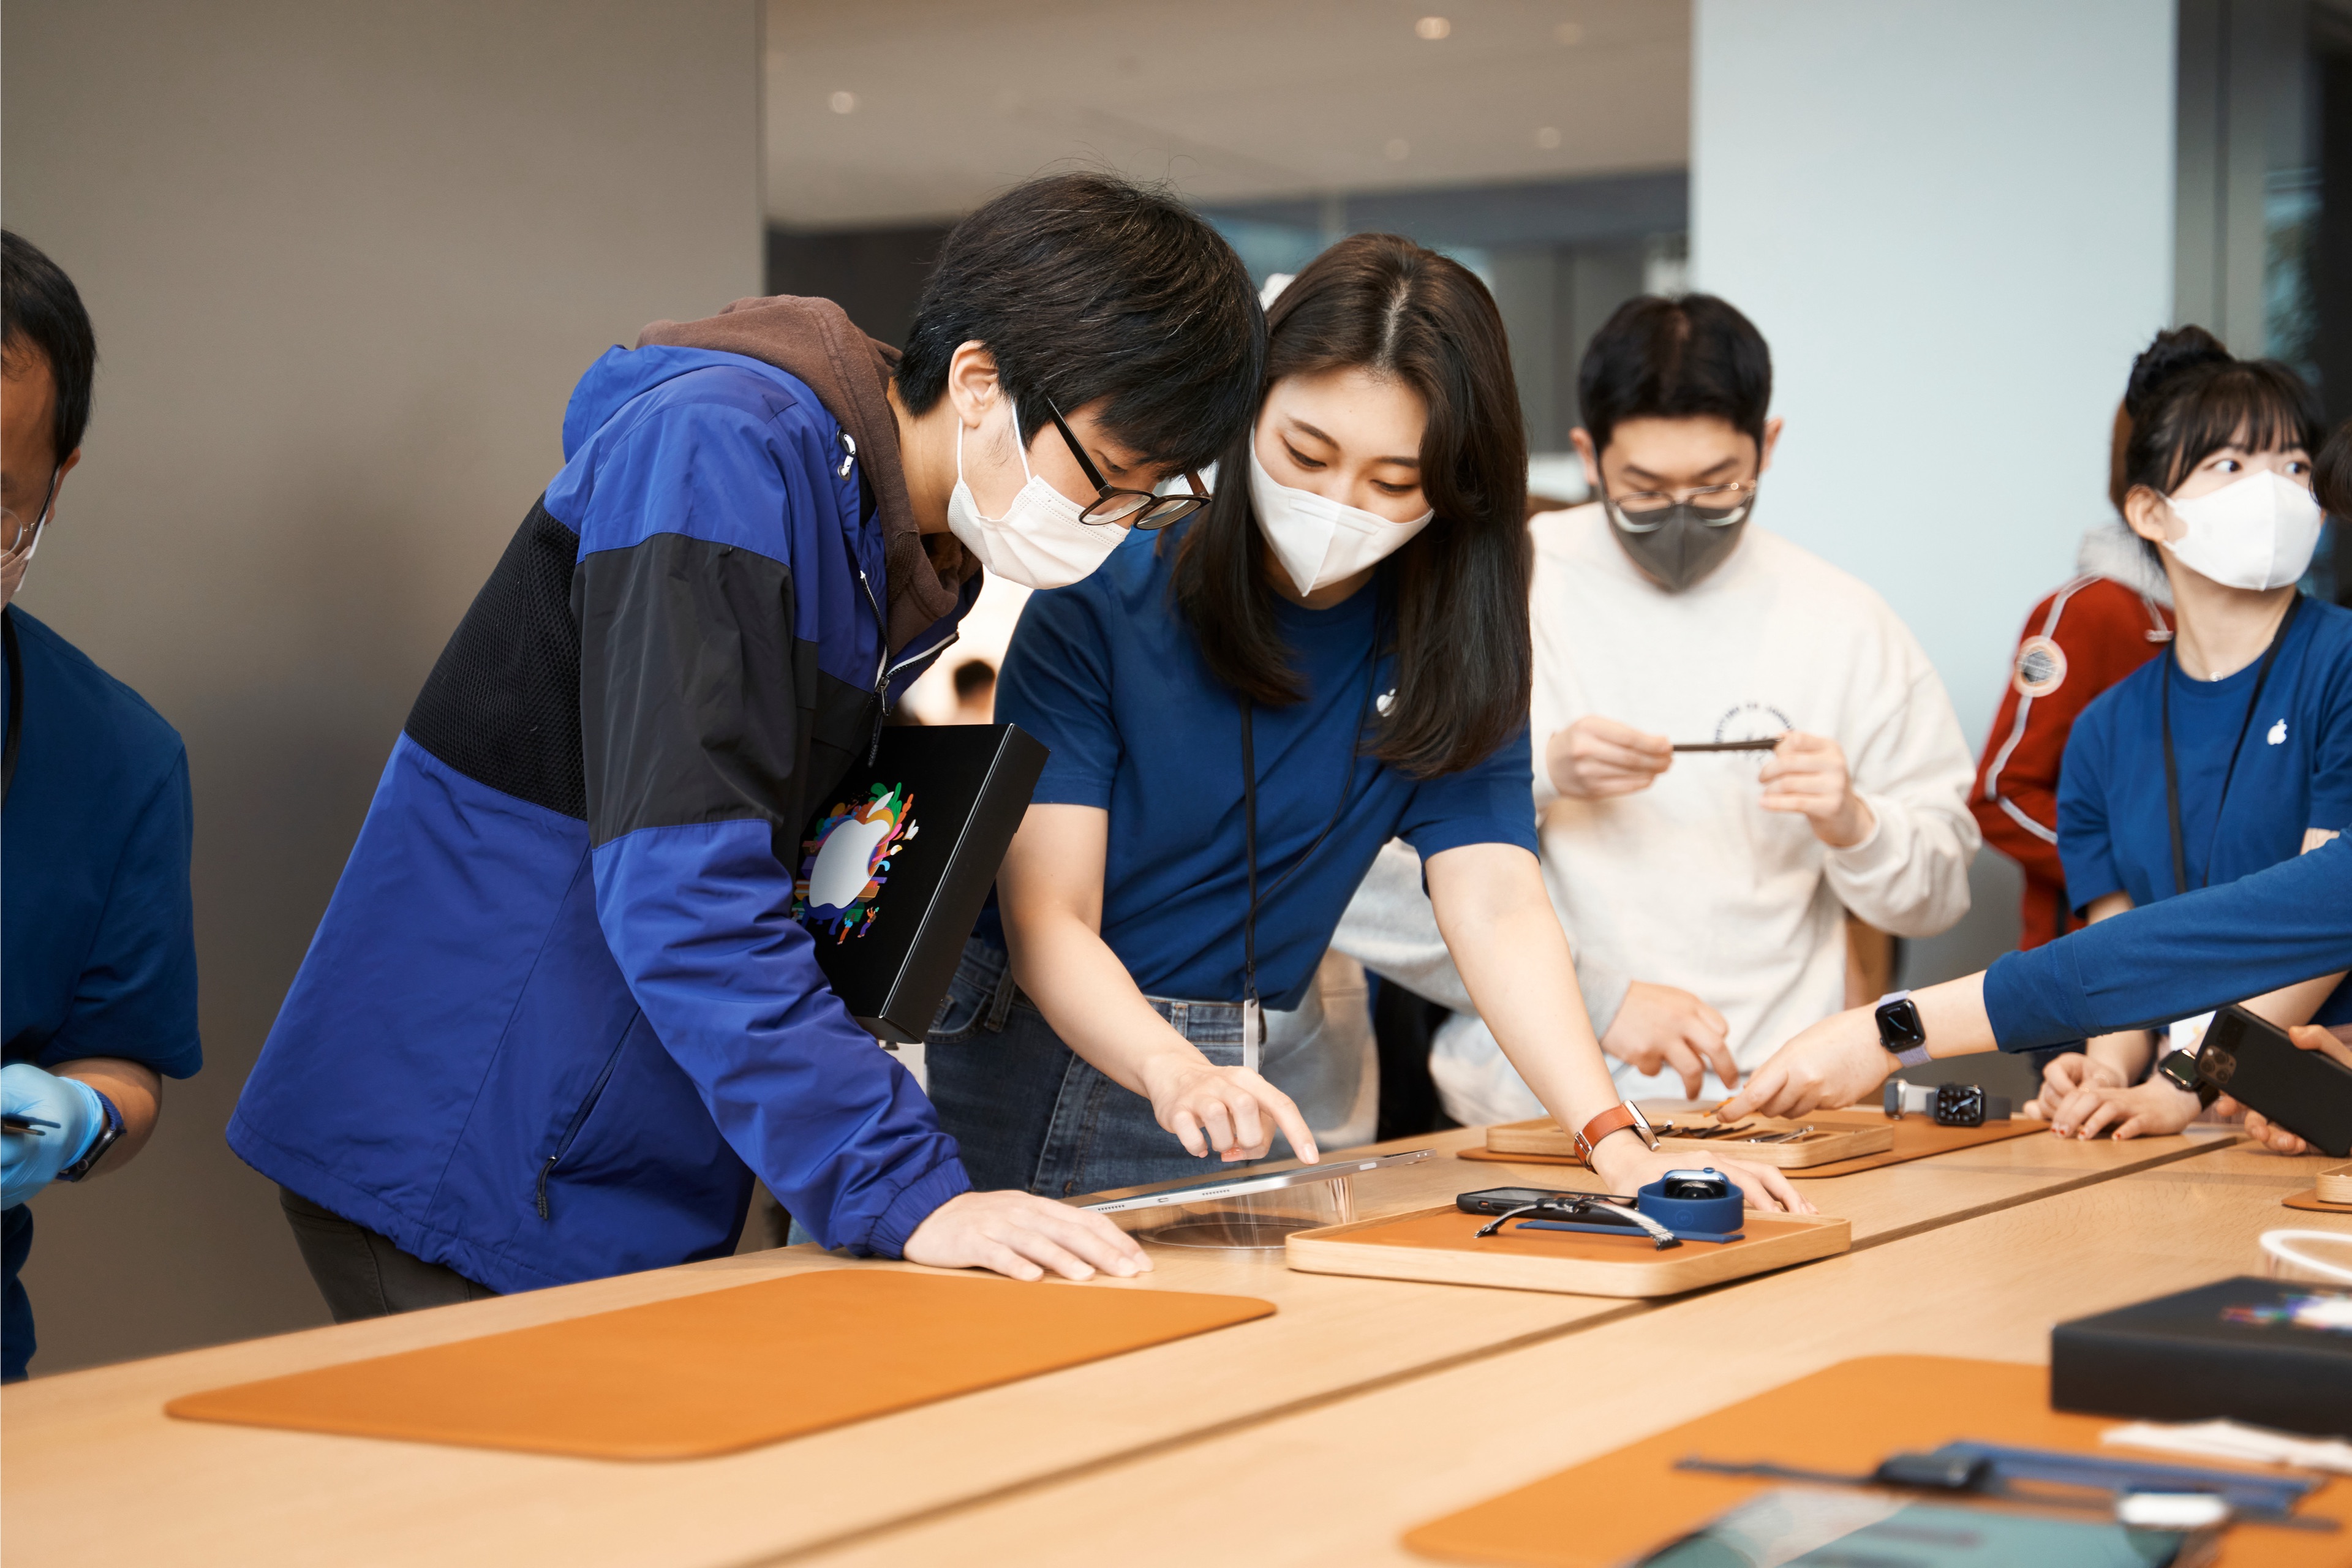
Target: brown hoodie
849	372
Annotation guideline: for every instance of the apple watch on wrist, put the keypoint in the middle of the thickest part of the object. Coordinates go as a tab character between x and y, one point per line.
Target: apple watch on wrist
1900	1032
1616	1119
108	1136
2179	1069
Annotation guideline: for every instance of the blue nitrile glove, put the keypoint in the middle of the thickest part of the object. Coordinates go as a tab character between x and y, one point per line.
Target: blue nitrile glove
28	1163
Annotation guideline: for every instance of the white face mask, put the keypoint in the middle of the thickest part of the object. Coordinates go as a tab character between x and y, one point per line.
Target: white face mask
2254	532
1321	541
1039	542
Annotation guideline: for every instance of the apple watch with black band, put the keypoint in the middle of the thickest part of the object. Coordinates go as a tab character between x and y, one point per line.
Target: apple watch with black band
1900	1030
108	1136
2179	1069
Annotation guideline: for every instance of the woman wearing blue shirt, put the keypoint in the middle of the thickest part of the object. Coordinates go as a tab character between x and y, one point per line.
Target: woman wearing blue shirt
1241	713
2234	753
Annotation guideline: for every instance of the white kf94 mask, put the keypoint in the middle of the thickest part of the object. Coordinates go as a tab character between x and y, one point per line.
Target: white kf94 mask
1039	542
2254	532
1320	542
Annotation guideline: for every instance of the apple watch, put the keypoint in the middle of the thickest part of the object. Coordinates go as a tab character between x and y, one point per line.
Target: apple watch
1966	1105
2179	1069
1616	1119
1900	1030
108	1136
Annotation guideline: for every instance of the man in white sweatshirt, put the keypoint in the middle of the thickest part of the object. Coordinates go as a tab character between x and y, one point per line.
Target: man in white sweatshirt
1737	742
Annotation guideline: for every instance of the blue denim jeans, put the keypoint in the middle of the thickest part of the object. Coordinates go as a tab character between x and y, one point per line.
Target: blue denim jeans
1031	1113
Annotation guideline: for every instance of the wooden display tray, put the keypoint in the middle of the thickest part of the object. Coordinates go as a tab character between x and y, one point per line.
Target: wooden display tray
1912	1138
1830	1140
1437	1245
724	1370
1845	1418
2335	1185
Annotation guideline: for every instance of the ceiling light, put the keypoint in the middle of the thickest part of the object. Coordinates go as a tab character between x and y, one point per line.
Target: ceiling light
1548	138
1433	28
1398	150
1570	32
844	103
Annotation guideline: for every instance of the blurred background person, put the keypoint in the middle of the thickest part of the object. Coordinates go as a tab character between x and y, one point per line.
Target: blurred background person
2106	622
975	692
98	957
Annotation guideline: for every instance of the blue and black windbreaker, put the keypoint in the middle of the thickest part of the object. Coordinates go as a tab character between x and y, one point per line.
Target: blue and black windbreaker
558	1012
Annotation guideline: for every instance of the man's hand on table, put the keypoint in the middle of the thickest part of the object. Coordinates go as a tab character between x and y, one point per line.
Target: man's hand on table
2260	1128
1831	1065
1021	1236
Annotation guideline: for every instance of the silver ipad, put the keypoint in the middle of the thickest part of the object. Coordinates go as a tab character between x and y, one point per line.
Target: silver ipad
1217	1187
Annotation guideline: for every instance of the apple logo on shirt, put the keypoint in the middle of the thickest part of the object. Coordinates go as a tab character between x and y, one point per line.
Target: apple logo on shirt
2277	736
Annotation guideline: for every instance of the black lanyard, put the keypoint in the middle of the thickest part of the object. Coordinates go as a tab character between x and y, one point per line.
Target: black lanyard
1253	1014
2172	768
16	731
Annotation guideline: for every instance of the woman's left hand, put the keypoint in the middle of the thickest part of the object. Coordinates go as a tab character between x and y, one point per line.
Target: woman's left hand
1626	1167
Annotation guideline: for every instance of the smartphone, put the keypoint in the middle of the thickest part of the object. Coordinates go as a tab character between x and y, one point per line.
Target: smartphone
2256	1063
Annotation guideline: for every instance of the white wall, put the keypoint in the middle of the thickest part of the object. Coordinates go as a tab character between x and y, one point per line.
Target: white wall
1953	219
345	260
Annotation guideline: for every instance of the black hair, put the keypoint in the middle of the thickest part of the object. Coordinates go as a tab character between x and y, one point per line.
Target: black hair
973	676
1084	286
1674	359
2189	397
2331	475
1456	593
43	313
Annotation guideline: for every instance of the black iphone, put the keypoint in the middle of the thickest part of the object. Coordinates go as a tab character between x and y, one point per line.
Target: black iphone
2254	1063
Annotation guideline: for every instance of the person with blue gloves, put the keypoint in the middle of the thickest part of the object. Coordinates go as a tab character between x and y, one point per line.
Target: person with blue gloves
98	959
558	1016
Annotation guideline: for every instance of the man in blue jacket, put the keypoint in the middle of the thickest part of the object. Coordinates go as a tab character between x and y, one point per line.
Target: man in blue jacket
558	1016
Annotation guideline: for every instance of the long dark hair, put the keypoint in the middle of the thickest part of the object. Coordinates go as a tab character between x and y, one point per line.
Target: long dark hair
1456	595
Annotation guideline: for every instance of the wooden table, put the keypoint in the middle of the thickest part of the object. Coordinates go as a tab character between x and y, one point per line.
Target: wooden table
1340	1483
92	1471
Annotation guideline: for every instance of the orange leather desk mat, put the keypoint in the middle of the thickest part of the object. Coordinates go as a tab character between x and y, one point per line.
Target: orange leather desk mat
724	1370
1845	1418
1916	1138
2310	1201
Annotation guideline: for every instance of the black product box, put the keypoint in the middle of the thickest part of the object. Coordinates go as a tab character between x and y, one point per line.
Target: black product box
895	870
2274	1353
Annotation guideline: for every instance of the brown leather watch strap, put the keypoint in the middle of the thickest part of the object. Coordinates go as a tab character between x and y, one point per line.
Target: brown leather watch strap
1616	1119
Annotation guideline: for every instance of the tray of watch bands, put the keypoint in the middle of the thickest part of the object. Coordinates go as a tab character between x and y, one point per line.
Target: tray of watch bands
1756	1140
2331	1195
1441	1246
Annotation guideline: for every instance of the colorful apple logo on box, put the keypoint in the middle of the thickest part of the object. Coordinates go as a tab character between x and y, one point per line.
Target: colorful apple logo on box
842	868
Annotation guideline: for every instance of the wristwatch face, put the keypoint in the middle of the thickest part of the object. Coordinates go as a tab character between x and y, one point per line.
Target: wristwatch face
2180	1067
1959	1105
1899	1028
1641	1125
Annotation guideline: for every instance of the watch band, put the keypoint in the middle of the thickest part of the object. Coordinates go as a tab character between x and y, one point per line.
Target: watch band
108	1136
1910	1052
1616	1119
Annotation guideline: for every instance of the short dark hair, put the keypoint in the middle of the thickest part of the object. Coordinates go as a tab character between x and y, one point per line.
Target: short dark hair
1675	359
1084	287
972	676
2331	475
1454	598
2189	397
43	313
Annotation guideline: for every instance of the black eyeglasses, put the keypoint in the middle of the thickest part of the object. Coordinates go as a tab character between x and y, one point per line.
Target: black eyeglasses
1135	509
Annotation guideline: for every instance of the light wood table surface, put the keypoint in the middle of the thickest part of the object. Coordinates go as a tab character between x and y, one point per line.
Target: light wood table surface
1341	1483
92	1472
